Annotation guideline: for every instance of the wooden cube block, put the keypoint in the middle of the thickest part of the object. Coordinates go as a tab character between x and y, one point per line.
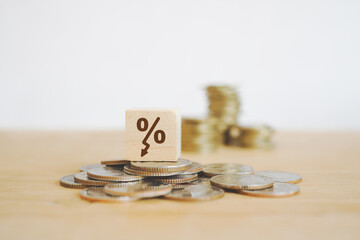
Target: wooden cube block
153	135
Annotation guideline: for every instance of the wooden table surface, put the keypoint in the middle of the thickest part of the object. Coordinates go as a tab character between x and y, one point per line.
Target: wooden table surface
34	206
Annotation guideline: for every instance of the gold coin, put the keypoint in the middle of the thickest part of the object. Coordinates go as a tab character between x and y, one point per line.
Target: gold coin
279	189
114	162
226	168
90	166
68	181
178	178
284	177
145	189
129	170
83	178
97	194
112	173
161	166
196	193
240	182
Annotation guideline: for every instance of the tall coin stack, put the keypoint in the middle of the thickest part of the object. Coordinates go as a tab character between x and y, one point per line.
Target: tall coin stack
224	105
200	135
249	137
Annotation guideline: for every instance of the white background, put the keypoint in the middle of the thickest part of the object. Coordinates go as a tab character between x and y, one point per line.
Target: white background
79	64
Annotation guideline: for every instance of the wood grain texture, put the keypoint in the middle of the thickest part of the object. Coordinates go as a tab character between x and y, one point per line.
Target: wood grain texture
143	127
34	206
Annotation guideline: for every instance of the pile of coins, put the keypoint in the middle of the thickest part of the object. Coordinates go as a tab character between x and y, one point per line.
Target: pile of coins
249	137
124	181
224	105
199	135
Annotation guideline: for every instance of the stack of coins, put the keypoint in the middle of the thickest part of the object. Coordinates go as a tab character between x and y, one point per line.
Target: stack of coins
249	137
124	181
224	105
199	135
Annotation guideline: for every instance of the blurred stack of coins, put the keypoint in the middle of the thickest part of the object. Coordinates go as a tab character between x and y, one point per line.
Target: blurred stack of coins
224	105
200	135
249	137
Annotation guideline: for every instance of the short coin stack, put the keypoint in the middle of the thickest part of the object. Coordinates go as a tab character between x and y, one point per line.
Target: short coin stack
124	181
249	137
199	135
224	105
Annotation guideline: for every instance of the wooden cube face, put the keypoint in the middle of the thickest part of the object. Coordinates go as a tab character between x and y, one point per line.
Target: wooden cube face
153	135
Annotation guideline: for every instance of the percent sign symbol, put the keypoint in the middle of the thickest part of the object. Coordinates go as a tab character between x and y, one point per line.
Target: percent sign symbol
159	135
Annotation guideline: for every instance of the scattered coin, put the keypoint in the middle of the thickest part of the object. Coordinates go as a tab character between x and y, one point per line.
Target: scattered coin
90	166
83	178
226	168
196	193
112	173
177	179
180	165
139	190
98	194
278	176
129	170
114	162
239	182
68	181
279	189
195	168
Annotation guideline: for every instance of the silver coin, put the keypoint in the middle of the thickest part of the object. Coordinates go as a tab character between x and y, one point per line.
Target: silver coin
114	162
90	166
196	193
211	170
83	178
129	170
144	189
112	173
195	168
178	178
278	176
198	181
69	182
239	182
277	190
98	194
161	166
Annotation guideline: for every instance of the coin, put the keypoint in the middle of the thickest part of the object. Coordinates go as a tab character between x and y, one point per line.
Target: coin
144	189
114	162
224	105
68	181
90	166
112	173
176	166
199	135
195	168
179	178
196	193
198	181
129	170
84	179
279	189
226	168
278	176
98	194
239	182
257	136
